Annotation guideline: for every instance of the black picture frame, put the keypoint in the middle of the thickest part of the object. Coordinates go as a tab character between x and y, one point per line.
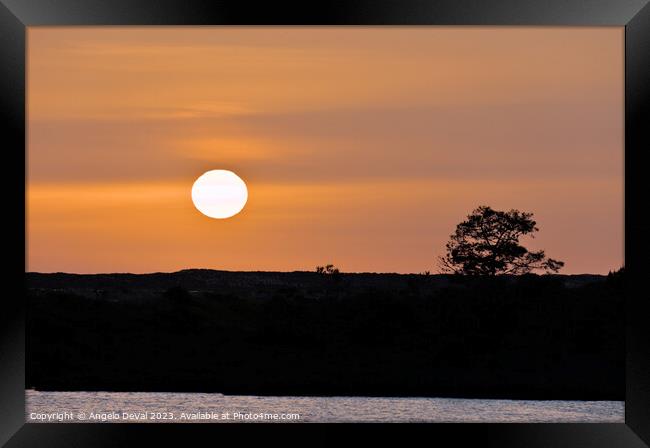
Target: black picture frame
634	15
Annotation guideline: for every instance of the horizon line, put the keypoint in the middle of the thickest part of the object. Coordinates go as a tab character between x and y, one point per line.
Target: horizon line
423	274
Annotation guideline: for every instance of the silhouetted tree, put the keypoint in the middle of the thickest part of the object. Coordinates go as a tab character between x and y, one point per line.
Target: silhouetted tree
487	243
616	278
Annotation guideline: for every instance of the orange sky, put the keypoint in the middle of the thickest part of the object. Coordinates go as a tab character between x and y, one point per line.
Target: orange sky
362	147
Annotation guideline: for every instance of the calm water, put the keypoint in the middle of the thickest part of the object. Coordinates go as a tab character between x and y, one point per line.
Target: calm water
194	407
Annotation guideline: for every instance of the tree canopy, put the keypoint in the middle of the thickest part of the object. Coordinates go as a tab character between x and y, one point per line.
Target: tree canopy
487	243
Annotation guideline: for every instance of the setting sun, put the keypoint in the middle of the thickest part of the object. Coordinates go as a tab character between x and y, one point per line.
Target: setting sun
219	194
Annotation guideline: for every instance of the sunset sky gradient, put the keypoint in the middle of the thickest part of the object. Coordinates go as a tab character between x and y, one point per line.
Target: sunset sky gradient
362	147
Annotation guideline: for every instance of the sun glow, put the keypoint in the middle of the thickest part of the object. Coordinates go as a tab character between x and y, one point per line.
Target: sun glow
219	194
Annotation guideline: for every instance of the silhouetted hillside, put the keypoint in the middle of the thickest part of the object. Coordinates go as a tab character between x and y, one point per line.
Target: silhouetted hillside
303	333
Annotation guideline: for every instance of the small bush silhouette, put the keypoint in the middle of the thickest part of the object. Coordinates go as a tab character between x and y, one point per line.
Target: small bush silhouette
327	270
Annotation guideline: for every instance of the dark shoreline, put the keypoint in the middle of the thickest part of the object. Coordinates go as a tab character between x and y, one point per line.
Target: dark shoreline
304	334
